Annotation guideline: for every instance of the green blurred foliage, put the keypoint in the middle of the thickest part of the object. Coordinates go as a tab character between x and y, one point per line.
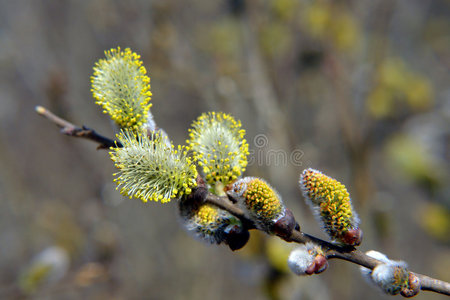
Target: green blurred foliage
221	41
331	23
285	10
275	38
411	158
435	219
399	89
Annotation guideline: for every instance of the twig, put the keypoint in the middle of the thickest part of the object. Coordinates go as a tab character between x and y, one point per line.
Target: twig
70	129
347	253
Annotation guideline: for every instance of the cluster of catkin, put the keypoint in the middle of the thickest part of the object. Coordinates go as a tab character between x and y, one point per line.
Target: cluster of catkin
151	168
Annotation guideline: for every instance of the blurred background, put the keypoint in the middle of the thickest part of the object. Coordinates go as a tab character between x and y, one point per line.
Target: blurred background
357	89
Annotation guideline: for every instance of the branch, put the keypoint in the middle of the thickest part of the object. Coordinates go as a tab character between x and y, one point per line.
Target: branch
70	129
348	253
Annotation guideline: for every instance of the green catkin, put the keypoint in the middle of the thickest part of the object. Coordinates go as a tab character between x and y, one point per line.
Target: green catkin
151	170
121	86
218	146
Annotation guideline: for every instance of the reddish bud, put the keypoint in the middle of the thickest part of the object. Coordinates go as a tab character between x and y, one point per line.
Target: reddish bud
353	237
318	265
413	286
198	195
307	259
311	268
237	238
321	264
284	226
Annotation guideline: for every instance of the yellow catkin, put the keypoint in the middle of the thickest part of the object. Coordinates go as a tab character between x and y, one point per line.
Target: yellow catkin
260	202
150	170
218	146
121	86
206	221
262	199
331	202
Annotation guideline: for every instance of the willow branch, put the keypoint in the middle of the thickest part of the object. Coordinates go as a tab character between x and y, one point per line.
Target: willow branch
348	253
70	129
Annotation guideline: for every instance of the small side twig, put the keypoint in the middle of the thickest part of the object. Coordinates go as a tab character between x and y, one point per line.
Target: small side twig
70	129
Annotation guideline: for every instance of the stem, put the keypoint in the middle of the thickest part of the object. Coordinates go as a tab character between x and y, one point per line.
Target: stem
433	285
347	253
70	129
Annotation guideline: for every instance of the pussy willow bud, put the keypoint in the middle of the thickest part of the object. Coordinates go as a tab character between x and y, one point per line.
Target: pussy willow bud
307	259
121	86
218	145
262	204
367	273
331	204
391	276
212	224
150	170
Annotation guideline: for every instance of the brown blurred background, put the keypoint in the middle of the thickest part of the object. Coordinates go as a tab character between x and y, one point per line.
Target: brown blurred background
357	89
